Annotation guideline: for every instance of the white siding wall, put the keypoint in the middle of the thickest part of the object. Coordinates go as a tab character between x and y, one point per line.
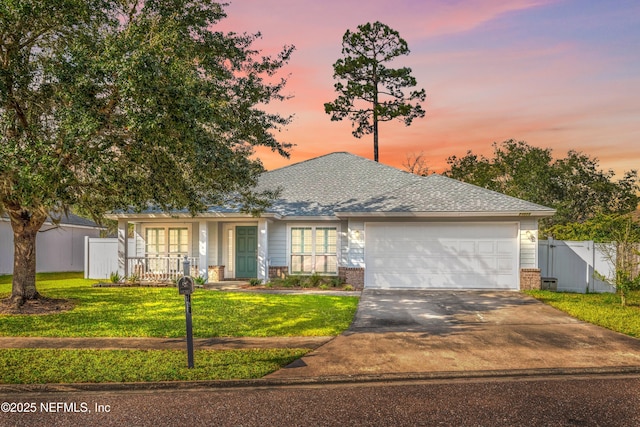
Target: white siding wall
195	239
213	243
139	242
529	243
355	249
6	248
57	249
343	256
278	244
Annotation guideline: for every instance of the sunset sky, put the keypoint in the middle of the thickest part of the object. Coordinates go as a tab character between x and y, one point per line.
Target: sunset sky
563	74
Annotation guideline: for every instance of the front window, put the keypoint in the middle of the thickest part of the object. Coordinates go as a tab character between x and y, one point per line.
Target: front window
314	250
155	239
167	241
178	241
301	250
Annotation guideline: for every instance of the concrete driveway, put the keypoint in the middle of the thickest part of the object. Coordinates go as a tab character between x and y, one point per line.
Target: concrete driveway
411	331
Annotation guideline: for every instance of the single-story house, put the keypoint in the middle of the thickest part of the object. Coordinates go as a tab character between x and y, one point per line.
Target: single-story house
341	214
58	247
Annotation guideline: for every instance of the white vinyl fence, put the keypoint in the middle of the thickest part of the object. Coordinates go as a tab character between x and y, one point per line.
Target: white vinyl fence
101	257
573	264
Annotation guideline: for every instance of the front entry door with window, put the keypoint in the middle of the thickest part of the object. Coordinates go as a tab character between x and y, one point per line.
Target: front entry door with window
246	252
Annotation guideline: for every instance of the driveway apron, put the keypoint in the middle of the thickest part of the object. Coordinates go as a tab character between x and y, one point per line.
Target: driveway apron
417	331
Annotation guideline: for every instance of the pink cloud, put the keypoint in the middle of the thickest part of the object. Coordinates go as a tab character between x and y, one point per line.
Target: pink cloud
552	92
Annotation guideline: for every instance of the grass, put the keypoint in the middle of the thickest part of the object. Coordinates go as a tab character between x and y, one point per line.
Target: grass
25	366
600	309
159	312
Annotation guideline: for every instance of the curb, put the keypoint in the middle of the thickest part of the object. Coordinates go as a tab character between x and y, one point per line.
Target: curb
515	374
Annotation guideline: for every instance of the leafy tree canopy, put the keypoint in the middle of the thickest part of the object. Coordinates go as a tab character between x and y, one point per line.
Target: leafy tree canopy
574	185
368	91
112	104
601	228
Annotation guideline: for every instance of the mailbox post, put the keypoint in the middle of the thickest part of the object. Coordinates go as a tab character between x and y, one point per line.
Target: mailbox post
186	285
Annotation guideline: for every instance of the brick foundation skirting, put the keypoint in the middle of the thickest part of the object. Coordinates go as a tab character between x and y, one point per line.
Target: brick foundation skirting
353	276
278	272
529	279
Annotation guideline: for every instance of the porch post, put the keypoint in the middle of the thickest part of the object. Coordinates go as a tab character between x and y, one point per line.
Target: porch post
203	249
123	245
263	249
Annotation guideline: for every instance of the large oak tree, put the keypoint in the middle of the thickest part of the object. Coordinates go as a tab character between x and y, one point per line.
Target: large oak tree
119	104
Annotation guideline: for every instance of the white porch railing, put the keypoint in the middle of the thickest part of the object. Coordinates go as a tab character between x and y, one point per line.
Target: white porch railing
160	269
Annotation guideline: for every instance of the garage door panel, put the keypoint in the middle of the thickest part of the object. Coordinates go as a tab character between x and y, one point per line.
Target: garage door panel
440	281
486	248
505	247
445	256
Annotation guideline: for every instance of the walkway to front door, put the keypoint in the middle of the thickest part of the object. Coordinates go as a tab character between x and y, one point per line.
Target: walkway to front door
246	252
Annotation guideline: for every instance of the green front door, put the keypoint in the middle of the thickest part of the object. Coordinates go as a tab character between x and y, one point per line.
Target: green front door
246	252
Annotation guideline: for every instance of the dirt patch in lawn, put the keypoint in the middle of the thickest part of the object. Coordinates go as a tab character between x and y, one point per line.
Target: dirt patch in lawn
41	305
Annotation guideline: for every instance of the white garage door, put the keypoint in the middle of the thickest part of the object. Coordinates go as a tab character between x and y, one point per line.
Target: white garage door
441	255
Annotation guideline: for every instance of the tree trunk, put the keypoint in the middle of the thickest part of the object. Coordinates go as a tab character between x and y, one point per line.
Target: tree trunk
375	112
375	138
25	226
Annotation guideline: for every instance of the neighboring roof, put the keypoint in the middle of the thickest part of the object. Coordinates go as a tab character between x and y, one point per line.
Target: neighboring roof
342	184
69	219
76	220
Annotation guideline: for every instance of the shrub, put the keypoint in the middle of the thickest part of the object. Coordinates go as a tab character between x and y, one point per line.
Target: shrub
115	277
324	287
314	280
336	282
348	288
292	281
200	280
255	282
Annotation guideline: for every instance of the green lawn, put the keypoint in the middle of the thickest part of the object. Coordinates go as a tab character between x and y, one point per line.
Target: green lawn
25	366
159	312
600	309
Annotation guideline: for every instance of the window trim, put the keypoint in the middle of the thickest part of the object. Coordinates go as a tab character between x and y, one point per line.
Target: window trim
313	226
166	227
179	243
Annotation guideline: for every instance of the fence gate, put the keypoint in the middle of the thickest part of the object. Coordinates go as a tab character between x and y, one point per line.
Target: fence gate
573	263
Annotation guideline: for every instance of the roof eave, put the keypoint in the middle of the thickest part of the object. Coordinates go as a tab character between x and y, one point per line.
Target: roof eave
176	215
446	214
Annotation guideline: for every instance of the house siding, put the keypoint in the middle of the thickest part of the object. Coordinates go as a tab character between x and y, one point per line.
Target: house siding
529	243
139	241
212	243
343	236
355	248
278	244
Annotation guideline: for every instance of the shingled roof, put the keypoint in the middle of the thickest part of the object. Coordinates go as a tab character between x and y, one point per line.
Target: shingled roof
343	184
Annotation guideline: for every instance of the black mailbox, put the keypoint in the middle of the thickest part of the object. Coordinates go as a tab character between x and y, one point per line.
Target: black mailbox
186	285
